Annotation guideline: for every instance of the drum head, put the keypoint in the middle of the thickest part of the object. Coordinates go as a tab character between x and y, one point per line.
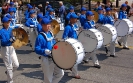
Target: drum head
107	33
122	27
88	40
64	56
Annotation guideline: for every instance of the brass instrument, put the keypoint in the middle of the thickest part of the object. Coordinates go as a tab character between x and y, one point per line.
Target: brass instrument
55	27
21	38
96	16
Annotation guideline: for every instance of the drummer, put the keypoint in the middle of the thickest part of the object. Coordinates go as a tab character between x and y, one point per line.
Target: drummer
39	19
50	16
108	19
43	46
82	17
48	7
123	15
32	23
101	15
13	20
89	24
70	32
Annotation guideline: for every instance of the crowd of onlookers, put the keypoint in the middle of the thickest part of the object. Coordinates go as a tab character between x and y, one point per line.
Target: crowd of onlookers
129	9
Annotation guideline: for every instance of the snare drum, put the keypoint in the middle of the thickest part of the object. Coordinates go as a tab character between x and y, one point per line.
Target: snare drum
123	27
91	39
109	33
69	53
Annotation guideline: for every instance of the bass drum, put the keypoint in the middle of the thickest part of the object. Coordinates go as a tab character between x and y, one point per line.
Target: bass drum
68	53
109	33
124	27
91	39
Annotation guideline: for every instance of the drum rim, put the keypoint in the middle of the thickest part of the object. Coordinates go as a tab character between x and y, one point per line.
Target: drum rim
54	60
82	44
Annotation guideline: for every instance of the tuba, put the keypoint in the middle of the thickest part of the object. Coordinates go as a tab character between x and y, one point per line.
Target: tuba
96	16
55	27
21	38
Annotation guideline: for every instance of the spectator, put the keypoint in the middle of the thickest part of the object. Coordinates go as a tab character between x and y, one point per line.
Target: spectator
20	9
44	11
62	11
4	10
128	7
40	9
96	8
131	10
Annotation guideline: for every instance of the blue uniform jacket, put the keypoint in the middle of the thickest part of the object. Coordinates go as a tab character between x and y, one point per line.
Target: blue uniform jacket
109	20
122	15
31	21
82	19
27	16
101	18
47	13
39	28
5	35
25	12
89	24
50	17
42	43
68	15
70	32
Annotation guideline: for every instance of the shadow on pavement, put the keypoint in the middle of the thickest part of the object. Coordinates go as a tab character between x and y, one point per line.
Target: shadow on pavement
34	74
3	81
23	51
22	66
1	60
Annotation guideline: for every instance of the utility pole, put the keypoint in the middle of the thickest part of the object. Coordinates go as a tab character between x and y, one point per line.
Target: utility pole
89	5
117	3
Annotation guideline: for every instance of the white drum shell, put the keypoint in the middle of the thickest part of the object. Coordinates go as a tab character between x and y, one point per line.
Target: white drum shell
91	39
109	33
124	27
73	53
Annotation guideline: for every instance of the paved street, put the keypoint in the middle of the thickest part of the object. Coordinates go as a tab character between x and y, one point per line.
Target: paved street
114	70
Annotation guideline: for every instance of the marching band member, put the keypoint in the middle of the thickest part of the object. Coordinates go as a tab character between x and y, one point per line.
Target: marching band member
123	15
48	7
39	18
82	17
51	14
13	20
27	15
32	23
70	32
68	15
8	52
43	46
101	15
108	19
88	25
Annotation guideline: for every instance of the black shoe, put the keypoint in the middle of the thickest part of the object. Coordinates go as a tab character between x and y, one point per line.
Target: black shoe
39	57
119	43
5	72
97	66
126	48
106	49
112	55
30	45
84	61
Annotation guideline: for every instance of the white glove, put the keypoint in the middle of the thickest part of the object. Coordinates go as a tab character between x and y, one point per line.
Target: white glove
12	39
32	26
47	52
